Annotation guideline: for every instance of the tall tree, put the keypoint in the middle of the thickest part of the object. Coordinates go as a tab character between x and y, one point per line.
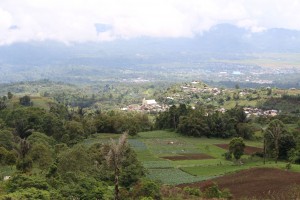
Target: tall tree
24	162
115	158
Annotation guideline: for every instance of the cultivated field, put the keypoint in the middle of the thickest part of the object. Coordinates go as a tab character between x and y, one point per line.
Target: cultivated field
258	183
174	159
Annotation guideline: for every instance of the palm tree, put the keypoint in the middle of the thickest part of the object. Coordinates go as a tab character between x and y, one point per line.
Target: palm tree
275	130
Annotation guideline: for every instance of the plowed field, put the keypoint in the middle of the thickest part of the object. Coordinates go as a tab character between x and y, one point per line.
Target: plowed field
248	149
259	183
199	156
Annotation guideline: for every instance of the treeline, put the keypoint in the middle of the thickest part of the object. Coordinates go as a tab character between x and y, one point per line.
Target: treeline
200	122
281	143
291	97
69	125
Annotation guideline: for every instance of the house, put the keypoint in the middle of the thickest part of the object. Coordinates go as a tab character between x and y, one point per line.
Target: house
149	102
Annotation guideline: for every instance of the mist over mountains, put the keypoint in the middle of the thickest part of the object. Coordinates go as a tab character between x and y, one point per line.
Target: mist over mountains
221	40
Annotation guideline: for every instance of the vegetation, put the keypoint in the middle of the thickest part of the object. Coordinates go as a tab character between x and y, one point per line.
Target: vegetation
59	146
236	147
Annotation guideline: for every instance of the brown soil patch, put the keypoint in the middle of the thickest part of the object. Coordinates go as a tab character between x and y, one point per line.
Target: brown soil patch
248	149
259	183
199	156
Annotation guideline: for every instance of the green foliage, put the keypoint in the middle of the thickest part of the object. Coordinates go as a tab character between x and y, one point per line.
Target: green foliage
3	154
196	122
73	160
27	119
286	143
37	137
214	192
132	169
119	122
75	132
86	188
25	101
9	95
28	194
7	139
42	155
146	188
274	133
81	172
172	176
22	181
236	147
24	165
192	191
227	155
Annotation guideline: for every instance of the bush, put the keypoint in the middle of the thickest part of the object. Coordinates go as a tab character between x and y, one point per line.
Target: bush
258	154
21	181
146	188
192	191
214	192
29	193
24	165
227	155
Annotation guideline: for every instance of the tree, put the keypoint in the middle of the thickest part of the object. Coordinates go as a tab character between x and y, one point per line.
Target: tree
146	188
2	104
24	162
273	135
115	157
7	139
25	101
9	95
74	160
42	155
236	147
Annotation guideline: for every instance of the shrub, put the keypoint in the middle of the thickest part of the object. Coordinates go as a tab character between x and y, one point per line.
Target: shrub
24	165
146	188
21	181
258	154
29	193
192	191
214	192
227	155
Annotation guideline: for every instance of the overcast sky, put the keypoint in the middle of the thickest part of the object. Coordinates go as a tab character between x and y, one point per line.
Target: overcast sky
74	20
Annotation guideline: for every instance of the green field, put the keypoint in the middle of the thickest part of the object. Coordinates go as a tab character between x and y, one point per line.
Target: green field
152	146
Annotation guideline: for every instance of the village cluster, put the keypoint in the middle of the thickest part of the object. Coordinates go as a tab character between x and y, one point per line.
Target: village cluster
150	106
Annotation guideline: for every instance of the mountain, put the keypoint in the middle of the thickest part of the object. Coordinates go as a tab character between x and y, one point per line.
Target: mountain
223	39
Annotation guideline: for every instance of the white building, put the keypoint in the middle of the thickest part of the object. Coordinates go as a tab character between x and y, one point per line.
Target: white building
149	102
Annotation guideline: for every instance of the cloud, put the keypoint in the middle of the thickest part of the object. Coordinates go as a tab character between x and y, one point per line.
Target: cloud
77	20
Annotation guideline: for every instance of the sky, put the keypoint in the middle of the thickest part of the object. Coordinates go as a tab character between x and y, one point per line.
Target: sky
70	21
